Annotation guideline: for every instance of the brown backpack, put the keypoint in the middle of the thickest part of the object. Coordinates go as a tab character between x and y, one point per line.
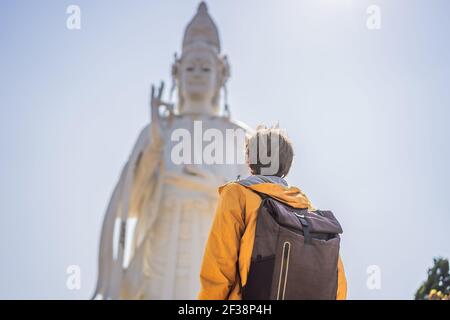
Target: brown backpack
295	254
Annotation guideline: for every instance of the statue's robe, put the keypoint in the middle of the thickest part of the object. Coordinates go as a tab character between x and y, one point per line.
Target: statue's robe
173	207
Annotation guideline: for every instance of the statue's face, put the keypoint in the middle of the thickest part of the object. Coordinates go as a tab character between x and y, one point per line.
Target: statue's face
198	76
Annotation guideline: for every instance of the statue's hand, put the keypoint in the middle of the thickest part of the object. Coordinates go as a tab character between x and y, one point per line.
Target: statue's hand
156	118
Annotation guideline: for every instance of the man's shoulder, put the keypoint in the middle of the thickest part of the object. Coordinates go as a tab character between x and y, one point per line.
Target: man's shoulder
231	186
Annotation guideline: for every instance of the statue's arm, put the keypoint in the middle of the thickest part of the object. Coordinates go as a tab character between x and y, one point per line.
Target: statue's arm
147	164
133	186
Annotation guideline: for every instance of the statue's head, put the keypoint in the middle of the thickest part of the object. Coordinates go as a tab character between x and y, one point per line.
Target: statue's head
201	71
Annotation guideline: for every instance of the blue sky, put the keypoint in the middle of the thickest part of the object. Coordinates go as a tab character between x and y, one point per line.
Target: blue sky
367	111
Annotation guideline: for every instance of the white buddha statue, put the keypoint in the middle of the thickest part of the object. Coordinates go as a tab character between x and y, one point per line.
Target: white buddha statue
160	213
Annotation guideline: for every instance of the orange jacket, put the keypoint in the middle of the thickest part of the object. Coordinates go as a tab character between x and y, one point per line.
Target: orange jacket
230	241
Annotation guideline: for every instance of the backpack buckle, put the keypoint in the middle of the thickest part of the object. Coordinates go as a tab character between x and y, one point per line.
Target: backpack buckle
305	225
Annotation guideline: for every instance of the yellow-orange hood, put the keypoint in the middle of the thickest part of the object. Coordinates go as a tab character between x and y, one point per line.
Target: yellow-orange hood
276	188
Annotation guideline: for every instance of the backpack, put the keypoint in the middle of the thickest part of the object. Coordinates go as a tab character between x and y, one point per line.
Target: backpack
295	254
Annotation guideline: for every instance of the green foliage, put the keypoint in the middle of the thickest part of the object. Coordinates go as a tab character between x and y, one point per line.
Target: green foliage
438	281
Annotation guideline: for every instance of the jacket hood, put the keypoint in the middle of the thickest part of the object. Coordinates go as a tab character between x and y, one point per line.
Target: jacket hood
276	188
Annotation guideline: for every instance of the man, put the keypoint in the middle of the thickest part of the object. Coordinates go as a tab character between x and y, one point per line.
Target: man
228	251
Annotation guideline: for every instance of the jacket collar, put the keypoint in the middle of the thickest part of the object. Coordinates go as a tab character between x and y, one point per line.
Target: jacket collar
256	179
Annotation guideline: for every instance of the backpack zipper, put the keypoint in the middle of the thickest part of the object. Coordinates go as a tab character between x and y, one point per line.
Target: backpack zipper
284	270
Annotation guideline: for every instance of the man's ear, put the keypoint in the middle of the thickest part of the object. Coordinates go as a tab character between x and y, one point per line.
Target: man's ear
176	66
224	71
247	162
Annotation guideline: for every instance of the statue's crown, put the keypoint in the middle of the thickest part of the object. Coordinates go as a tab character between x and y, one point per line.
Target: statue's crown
202	28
